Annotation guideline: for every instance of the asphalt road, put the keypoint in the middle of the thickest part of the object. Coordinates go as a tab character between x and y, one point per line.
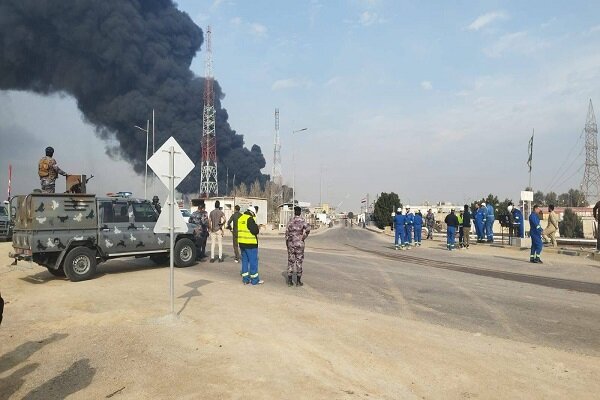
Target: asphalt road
550	305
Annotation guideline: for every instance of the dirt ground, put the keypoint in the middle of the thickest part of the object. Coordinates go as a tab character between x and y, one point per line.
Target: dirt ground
112	337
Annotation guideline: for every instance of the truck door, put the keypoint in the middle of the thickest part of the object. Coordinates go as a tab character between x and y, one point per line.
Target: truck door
116	235
144	218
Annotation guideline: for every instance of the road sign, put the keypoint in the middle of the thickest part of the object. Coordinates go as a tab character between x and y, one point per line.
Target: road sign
162	225
159	163
172	165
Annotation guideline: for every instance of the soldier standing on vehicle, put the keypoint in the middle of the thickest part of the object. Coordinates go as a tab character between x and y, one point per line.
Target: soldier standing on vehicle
296	233
48	171
232	226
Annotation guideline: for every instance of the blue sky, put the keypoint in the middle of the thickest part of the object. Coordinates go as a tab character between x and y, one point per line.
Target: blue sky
433	100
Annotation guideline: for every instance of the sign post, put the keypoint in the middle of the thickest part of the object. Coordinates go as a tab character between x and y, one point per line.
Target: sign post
171	165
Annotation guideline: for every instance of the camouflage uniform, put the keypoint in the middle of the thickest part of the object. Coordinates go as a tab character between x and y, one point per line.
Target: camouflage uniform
295	234
48	182
430	223
200	218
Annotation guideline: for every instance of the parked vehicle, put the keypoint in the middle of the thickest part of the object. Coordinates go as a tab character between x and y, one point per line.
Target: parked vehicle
70	234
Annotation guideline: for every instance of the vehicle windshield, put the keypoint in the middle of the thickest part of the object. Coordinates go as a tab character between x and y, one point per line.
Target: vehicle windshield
3	211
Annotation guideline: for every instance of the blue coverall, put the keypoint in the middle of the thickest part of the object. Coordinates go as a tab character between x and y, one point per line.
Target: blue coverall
409	222
518	217
479	217
399	221
418	221
490	223
535	231
484	212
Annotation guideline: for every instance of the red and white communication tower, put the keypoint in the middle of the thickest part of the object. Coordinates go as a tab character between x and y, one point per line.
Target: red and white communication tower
208	170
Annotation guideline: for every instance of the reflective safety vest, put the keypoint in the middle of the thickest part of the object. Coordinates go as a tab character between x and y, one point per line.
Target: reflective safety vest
243	233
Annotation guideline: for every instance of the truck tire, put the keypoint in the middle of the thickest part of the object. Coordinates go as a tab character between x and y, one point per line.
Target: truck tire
80	264
184	253
57	272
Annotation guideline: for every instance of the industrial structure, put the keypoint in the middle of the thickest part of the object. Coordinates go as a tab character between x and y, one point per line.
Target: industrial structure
591	176
209	185
276	174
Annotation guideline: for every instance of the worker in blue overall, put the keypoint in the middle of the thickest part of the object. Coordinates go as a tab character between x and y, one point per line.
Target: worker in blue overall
535	232
479	218
399	220
490	223
518	225
484	212
418	225
408	224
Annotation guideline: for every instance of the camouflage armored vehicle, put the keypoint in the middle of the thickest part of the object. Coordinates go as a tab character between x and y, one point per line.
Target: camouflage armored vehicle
71	233
6	226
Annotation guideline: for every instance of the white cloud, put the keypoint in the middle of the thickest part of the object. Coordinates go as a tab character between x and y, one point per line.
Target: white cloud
517	42
486	19
290	83
594	29
216	4
333	81
258	29
368	18
426	85
254	28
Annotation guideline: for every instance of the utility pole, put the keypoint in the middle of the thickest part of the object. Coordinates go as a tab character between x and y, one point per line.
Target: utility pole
591	176
208	170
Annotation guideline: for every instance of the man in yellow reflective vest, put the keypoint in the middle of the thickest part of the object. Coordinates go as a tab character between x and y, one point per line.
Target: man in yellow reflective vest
247	232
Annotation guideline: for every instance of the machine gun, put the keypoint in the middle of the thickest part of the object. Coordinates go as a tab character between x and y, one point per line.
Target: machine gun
77	183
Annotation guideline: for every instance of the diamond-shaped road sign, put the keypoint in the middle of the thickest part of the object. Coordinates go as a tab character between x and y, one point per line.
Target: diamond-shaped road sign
159	162
182	165
162	225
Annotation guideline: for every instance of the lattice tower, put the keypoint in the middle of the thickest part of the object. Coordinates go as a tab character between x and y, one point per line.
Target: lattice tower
276	174
208	171
591	176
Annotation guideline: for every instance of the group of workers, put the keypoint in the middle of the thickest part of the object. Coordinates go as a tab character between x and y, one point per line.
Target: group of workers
245	230
408	226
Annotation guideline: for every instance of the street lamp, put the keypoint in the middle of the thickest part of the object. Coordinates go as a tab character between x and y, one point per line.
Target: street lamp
294	167
147	130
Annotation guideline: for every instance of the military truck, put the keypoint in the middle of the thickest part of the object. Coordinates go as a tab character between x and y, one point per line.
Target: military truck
70	234
6	226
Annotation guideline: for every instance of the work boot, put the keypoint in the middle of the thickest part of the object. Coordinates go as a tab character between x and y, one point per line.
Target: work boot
299	282
290	281
539	261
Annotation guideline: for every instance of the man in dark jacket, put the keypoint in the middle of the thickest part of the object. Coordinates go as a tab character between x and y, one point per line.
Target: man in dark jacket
1	307
248	241
451	226
466	226
232	226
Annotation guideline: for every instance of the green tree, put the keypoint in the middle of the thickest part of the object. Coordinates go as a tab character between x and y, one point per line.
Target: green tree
572	198
351	215
551	198
539	198
571	226
385	205
502	207
491	199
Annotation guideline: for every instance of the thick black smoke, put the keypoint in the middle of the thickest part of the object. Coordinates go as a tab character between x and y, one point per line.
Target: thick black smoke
119	59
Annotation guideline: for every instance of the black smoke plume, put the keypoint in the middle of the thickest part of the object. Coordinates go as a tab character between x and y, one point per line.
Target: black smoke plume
119	59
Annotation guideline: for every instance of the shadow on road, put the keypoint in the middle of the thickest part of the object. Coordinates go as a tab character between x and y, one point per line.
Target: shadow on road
12	383
192	293
77	377
25	350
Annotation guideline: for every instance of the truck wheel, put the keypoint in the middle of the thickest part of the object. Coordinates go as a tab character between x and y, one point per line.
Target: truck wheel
80	264
57	272
185	253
